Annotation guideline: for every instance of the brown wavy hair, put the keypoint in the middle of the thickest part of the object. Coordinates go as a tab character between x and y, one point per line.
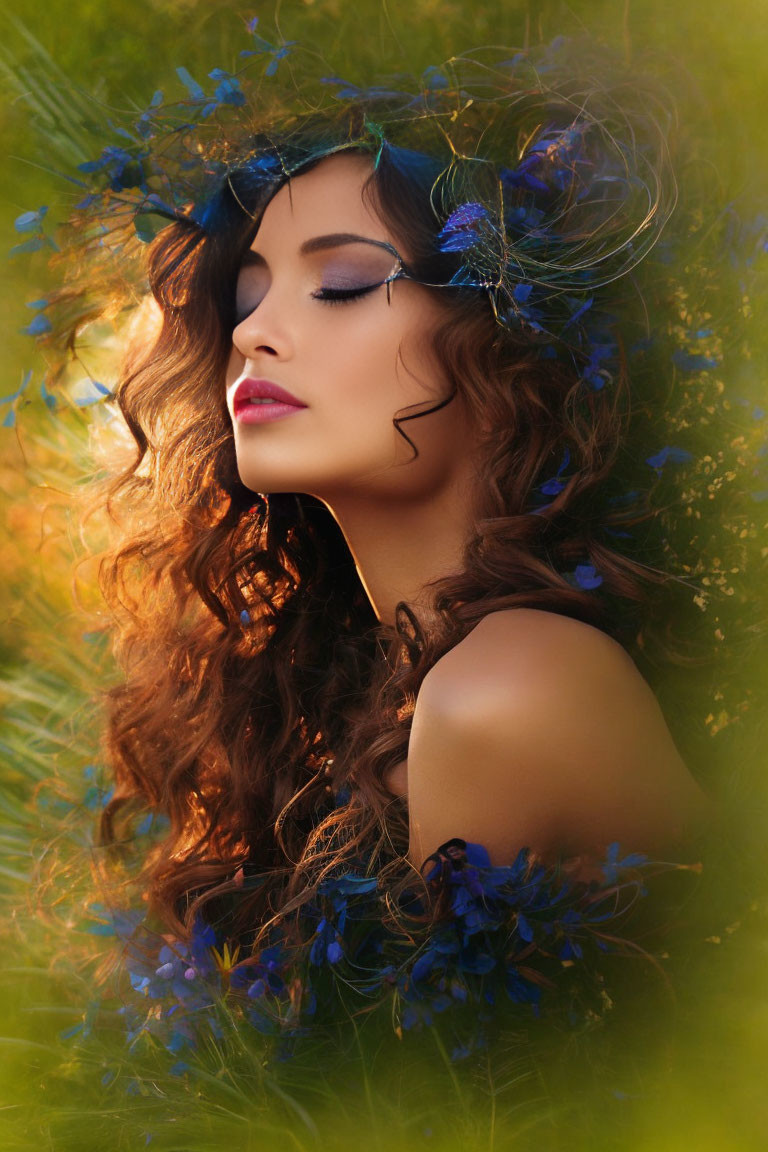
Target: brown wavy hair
257	680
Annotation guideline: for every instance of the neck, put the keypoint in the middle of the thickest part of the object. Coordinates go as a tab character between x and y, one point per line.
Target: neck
399	547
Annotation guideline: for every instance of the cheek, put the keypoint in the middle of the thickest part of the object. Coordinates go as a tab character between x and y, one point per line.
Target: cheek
384	362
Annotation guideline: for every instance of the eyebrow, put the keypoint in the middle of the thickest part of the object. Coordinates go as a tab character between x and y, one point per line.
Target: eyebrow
318	244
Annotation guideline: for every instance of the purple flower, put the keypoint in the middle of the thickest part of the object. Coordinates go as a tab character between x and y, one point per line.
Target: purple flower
585	576
458	233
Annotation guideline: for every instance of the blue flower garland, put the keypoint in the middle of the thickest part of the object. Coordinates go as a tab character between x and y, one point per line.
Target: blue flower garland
524	936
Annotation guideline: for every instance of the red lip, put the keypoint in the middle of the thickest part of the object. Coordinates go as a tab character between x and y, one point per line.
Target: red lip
261	390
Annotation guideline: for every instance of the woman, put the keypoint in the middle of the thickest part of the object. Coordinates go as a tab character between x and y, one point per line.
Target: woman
370	594
506	721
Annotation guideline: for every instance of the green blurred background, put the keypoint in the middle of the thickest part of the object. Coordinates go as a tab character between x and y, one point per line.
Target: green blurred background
705	1090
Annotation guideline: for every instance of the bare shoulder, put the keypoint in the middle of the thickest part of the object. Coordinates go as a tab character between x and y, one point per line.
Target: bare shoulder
533	651
539	729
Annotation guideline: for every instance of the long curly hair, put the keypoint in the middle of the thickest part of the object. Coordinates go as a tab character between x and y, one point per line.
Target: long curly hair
262	703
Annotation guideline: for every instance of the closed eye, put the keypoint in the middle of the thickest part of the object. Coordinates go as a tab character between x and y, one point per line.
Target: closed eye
339	295
327	295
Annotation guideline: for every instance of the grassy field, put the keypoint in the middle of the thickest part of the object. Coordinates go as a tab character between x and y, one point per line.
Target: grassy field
70	1083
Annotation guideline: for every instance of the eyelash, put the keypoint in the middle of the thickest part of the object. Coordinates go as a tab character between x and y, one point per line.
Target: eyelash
341	295
328	296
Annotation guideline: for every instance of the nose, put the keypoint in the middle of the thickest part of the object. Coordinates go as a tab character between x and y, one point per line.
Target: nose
263	331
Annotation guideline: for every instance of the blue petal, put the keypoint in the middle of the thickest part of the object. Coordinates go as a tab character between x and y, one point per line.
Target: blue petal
668	453
40	325
15	395
524	928
190	84
477	855
433	77
32	245
49	400
579	312
30	221
459	241
99	390
334	952
423	965
465	215
586	577
86	202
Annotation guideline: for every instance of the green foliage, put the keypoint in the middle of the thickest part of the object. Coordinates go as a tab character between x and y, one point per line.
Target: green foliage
63	67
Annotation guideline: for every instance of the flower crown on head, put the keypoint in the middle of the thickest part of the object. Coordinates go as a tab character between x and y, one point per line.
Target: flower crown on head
547	172
546	188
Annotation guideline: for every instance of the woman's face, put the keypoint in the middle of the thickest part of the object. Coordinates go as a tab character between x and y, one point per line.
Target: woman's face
350	364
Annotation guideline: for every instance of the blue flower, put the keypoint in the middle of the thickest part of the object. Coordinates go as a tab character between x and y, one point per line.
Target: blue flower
524	928
464	216
424	965
594	374
31	221
570	950
668	454
521	293
325	946
555	485
263	47
334	952
124	170
433	78
523	176
579	310
585	576
524	219
506	930
228	91
38	327
612	863
479	963
460	229
190	84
